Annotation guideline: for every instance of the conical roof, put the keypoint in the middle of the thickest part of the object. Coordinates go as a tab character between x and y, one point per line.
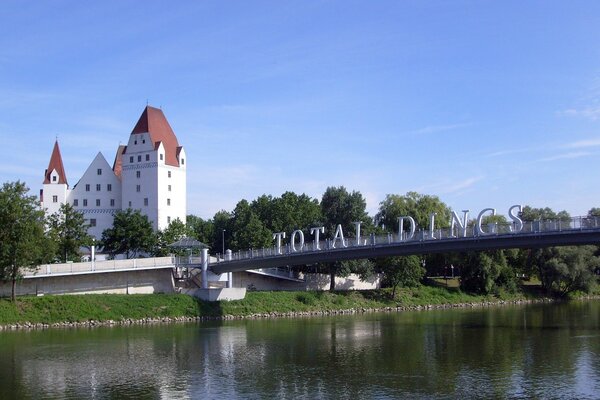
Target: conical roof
56	163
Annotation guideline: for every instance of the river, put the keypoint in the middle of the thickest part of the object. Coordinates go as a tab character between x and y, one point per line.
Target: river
527	351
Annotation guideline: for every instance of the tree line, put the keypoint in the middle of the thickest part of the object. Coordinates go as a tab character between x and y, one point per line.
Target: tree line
29	238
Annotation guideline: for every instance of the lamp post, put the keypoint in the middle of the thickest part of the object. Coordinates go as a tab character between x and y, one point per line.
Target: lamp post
223	243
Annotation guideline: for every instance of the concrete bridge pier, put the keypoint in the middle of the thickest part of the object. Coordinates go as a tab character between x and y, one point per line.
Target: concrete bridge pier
229	274
204	264
215	294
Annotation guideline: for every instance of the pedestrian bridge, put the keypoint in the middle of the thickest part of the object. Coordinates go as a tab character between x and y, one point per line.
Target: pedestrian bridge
560	232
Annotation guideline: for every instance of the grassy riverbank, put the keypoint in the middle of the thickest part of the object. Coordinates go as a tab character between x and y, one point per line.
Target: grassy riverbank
83	308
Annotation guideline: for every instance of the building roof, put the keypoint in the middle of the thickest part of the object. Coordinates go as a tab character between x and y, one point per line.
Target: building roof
117	165
56	163
153	121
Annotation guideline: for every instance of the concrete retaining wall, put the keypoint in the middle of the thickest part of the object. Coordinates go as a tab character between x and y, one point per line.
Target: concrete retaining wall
312	282
124	282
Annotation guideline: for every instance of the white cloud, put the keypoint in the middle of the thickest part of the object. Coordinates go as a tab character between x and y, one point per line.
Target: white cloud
451	187
566	156
439	128
592	113
508	152
584	143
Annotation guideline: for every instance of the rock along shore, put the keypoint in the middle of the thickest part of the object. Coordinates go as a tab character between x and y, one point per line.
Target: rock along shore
290	314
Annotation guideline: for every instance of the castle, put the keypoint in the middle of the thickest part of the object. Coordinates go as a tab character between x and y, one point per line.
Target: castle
149	174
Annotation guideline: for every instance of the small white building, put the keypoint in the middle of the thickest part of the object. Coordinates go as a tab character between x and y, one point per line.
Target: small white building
149	174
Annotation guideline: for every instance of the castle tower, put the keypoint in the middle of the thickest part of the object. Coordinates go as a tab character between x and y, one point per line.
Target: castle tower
153	170
56	189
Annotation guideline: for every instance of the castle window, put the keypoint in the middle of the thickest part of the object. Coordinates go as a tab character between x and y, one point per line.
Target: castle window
53	178
138	174
168	202
143	141
147	157
112	202
131	159
92	222
169	188
168	220
85	202
87	187
139	158
169	174
55	199
98	187
109	187
130	204
138	188
146	201
97	202
182	161
161	157
76	202
135	142
99	171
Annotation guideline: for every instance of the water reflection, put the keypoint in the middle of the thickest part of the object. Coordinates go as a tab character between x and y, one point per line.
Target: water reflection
534	351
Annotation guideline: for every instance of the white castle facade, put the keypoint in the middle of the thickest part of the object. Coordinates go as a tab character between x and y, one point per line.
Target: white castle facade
149	174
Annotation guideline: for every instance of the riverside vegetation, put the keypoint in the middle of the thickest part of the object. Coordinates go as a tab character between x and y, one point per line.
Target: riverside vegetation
123	309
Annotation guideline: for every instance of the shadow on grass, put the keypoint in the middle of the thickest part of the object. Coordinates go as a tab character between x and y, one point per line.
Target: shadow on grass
208	309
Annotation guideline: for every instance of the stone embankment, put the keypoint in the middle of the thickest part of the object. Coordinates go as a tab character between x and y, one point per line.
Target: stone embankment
290	314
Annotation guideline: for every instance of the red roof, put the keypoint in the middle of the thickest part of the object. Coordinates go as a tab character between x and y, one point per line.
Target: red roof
154	122
117	165
56	163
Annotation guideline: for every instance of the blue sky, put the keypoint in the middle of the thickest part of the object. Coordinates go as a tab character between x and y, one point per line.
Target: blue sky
485	104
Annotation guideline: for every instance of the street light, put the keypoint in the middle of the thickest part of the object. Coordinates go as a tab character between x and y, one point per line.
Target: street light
223	242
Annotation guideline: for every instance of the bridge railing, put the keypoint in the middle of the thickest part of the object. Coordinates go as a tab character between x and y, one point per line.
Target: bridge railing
492	229
100	266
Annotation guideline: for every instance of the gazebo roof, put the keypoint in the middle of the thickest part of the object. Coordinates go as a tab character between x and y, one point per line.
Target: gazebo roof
188	243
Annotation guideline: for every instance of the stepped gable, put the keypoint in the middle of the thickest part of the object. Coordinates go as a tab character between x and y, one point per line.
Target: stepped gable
117	164
154	122
56	163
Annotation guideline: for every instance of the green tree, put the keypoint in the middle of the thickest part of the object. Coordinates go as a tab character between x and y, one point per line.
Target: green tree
202	230
130	234
412	204
338	206
288	212
248	231
565	269
23	244
68	230
419	207
403	271
172	233
485	272
536	214
222	231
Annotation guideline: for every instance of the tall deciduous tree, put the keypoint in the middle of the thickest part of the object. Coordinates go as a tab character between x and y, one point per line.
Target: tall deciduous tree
406	271
565	269
415	205
201	229
338	206
130	234
288	212
67	228
248	231
419	207
23	244
172	233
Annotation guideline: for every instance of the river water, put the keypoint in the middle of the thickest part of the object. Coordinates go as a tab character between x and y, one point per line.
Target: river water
531	351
